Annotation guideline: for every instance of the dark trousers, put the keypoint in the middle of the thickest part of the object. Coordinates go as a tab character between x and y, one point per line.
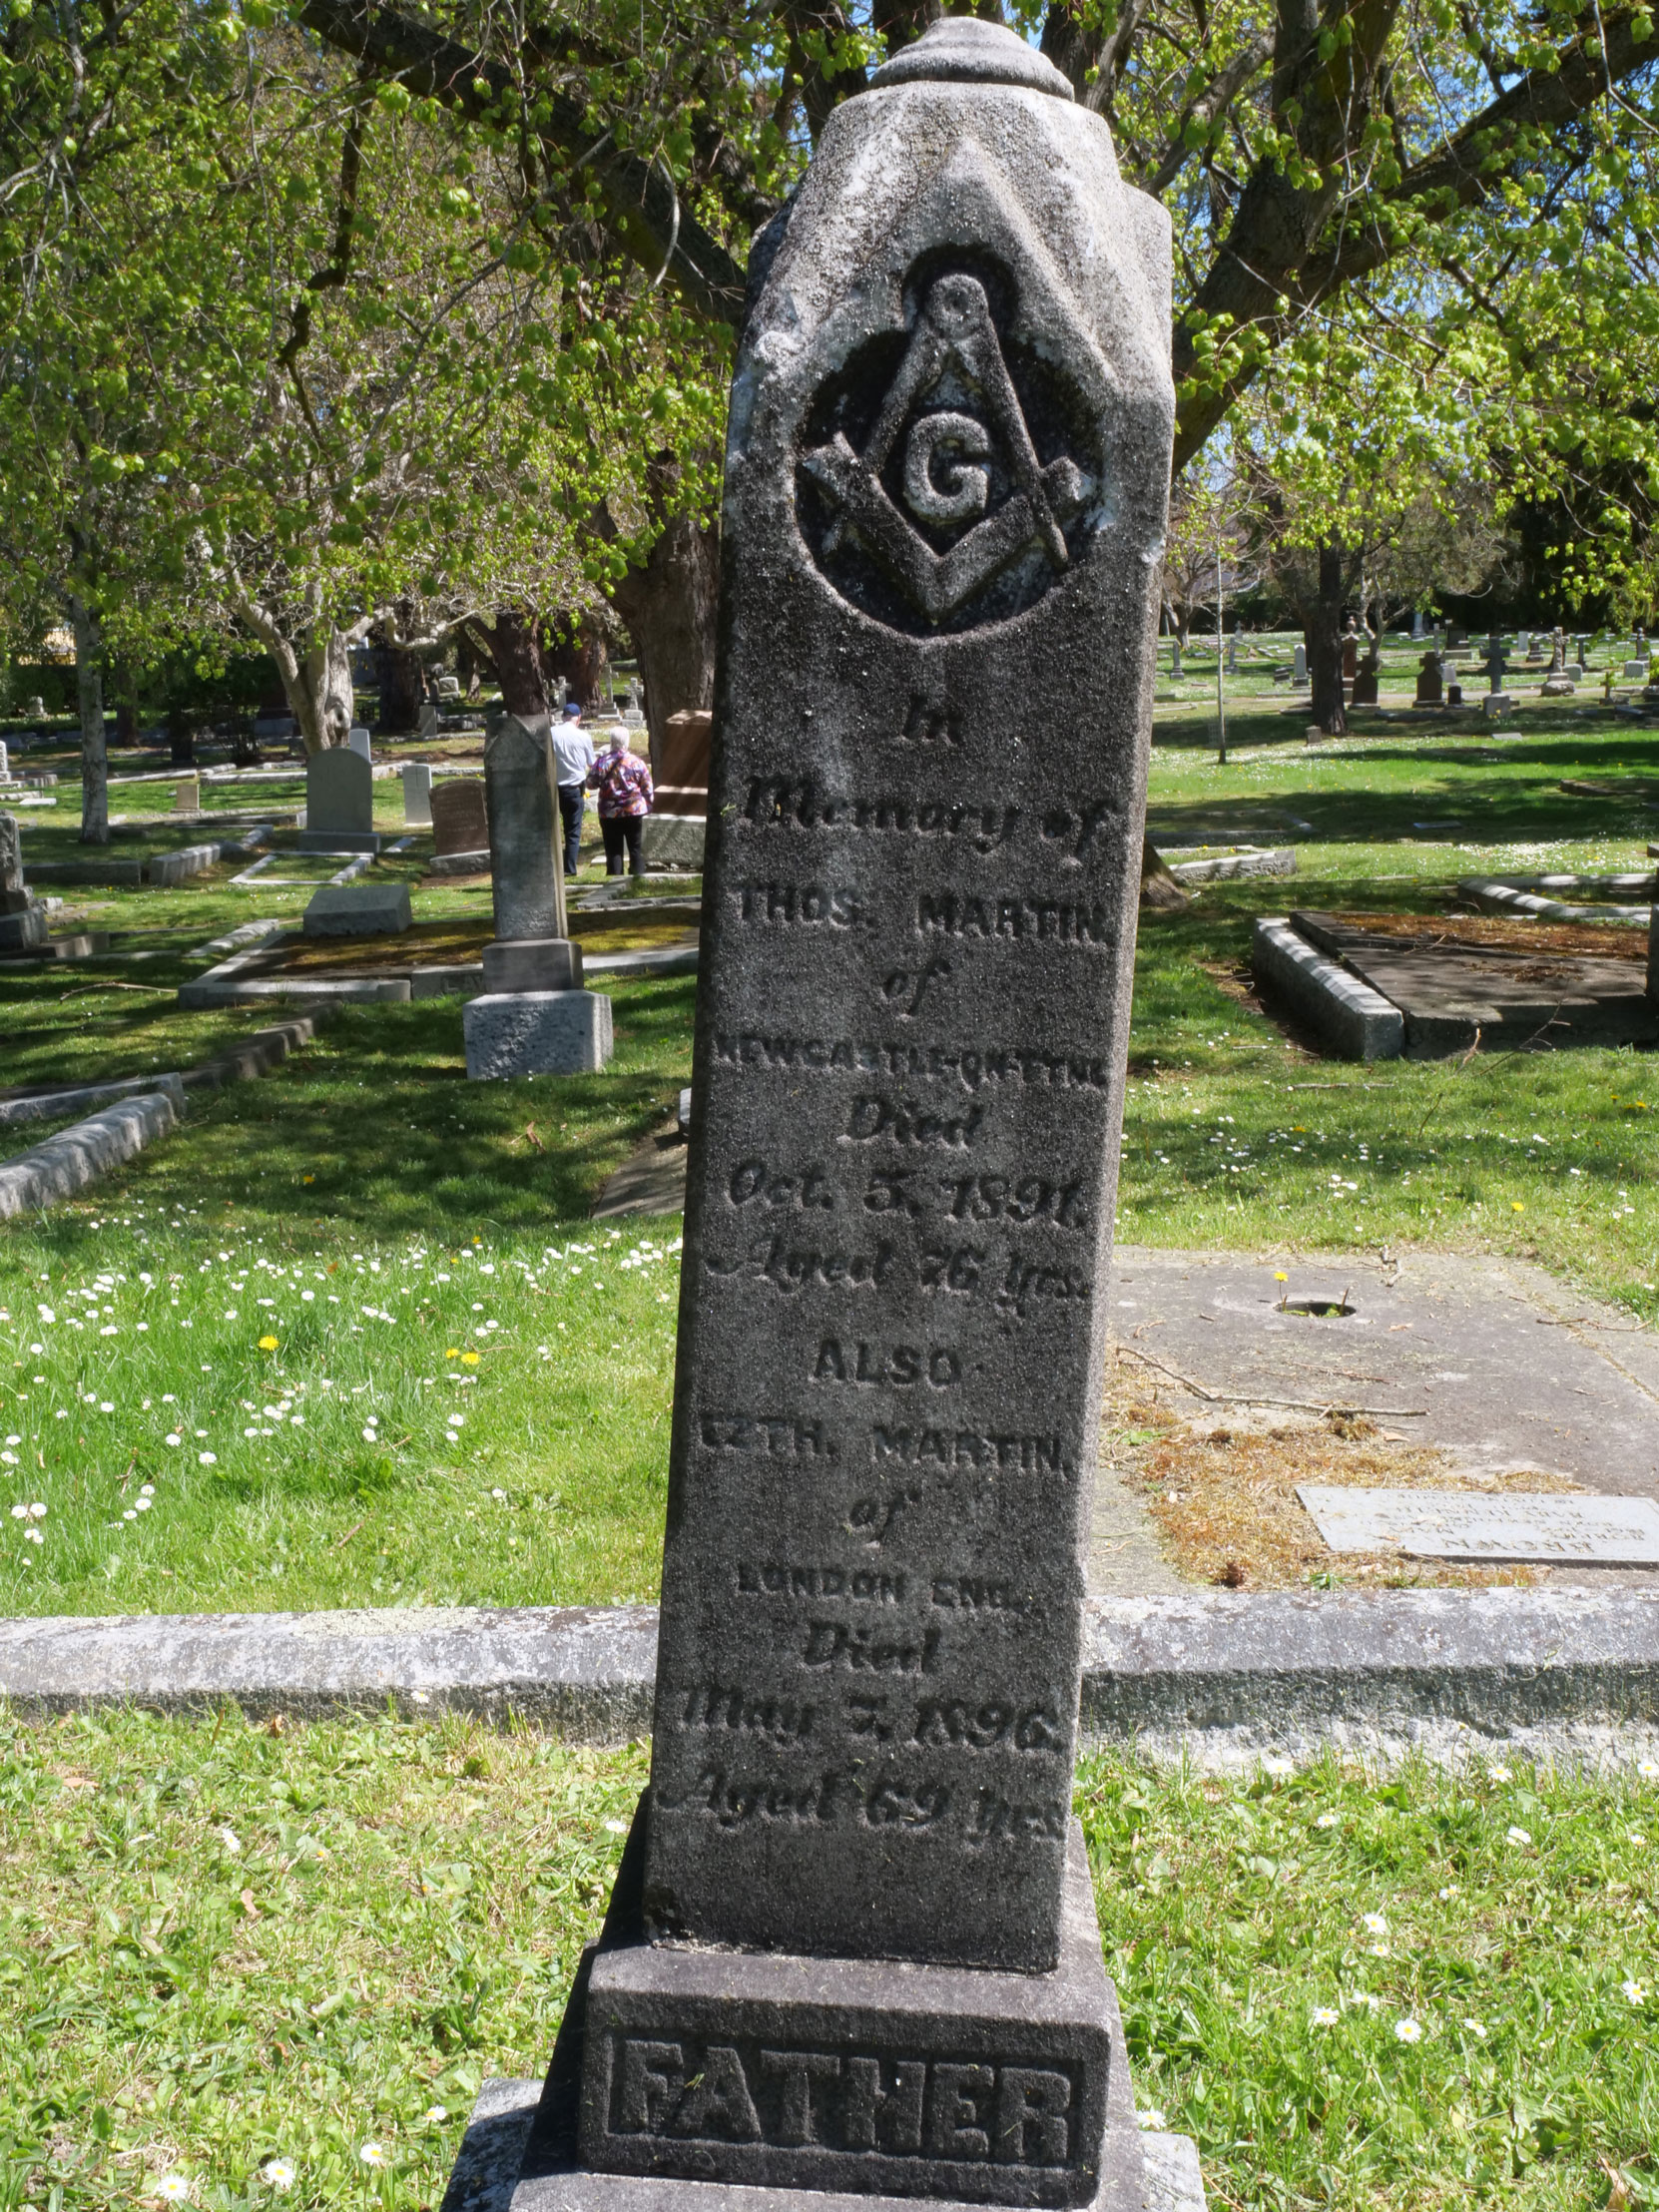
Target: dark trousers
618	831
572	800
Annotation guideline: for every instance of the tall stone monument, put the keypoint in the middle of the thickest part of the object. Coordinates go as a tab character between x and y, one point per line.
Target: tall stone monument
853	1946
533	1017
340	803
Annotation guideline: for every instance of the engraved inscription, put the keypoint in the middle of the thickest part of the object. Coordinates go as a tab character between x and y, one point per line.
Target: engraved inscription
971	1066
867	1651
865	1585
855	2102
755	1182
799	902
1049	922
902	1122
897	1367
801	803
791	1267
741	1711
964	1447
835	1798
771	1436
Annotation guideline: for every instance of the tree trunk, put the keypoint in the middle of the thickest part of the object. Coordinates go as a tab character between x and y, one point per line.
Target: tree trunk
578	655
514	647
89	693
402	685
318	687
669	605
1160	893
1323	631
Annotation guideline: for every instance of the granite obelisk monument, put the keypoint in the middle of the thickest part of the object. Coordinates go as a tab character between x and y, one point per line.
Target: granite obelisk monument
852	1948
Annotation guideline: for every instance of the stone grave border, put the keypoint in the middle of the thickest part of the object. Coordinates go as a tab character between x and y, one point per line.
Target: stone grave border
231	984
161	869
1357	1022
1218	1678
1521	894
1246	860
143	1110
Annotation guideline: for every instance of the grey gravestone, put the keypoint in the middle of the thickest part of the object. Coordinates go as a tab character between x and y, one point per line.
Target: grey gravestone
1497	700
1366	676
450	687
417	794
460	823
524	829
1460	1524
22	921
515	1033
1231	651
357	739
1417	625
852	1948
1430	687
1174	658
5	762
1299	665
340	803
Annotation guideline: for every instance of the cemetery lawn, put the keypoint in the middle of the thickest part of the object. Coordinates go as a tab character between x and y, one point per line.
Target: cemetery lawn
278	1962
349	1338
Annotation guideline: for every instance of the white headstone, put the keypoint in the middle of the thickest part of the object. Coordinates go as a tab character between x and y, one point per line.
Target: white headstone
1464	1524
187	796
1298	673
357	739
417	794
5	764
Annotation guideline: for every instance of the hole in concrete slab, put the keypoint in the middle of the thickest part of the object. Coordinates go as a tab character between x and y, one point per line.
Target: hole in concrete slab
1320	1309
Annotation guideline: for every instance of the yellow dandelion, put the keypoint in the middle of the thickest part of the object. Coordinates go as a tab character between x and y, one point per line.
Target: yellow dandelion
469	1358
268	1343
307	1179
1516	1205
453	1352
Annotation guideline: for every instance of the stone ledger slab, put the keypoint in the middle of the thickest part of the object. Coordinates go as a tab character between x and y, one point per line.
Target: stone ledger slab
1517	1527
516	1033
359	911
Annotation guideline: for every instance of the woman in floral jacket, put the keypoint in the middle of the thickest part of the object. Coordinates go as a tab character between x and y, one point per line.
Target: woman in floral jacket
623	783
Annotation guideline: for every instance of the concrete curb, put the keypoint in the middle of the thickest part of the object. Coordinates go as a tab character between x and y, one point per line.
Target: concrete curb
1211	1676
47	1105
76	1156
1490	897
1281	860
1351	1018
258	1054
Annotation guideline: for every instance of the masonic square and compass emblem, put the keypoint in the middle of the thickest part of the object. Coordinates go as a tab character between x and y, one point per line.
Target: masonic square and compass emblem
940	485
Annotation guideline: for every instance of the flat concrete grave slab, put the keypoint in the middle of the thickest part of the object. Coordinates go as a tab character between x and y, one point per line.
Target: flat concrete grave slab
1491	1361
1449	992
1516	1528
359	911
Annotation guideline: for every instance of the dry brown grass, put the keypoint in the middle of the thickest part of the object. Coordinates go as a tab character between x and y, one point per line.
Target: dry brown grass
1221	1487
449	943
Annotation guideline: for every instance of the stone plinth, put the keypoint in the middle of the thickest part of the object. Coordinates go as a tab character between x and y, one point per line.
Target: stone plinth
23	932
533	964
674	841
359	911
787	2072
514	1033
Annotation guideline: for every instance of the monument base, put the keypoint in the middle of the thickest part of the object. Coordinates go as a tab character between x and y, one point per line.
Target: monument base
459	863
513	1033
487	2169
24	933
1496	703
673	840
358	910
341	840
532	964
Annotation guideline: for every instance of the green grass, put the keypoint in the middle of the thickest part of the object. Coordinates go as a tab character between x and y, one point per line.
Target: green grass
367	1179
228	1947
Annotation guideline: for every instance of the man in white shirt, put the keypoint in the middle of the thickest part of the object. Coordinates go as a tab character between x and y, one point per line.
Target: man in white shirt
573	756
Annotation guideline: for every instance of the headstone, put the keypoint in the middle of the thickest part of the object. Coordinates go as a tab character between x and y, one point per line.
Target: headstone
1557	683
1582	642
1231	651
35	709
1365	679
358	910
357	739
22	921
1299	666
1497	700
450	687
1461	1524
1417	625
1557	650
512	1029
680	775
1524	645
187	797
1454	694
417	794
1175	660
1635	671
5	764
854	1950
460	823
1350	653
1431	684
430	723
340	803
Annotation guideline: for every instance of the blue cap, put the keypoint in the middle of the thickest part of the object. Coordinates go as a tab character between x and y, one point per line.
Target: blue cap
573	707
